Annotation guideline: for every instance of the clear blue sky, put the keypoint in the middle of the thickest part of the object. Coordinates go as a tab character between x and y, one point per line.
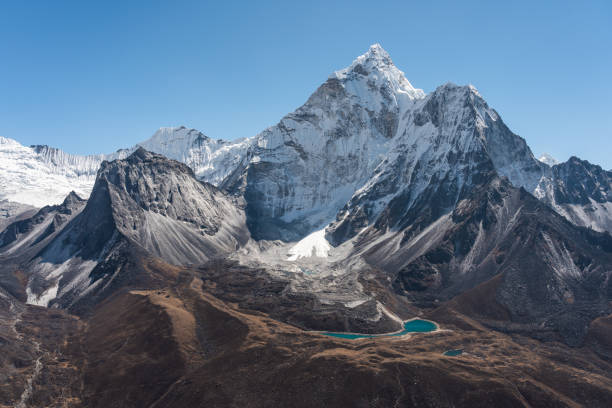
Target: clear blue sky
92	78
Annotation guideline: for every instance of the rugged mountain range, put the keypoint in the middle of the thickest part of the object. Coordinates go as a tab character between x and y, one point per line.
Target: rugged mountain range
544	273
144	201
580	191
360	138
199	272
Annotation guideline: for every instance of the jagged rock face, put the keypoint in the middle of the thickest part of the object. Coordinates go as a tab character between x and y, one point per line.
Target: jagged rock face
212	160
367	138
451	141
581	182
159	204
28	238
550	274
77	165
61	272
144	204
31	230
9	209
11	212
580	191
301	171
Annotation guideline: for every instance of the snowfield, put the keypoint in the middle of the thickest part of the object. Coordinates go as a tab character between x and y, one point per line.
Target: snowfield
314	244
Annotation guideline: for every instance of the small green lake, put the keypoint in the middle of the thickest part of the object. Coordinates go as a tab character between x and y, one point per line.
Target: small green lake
453	353
411	326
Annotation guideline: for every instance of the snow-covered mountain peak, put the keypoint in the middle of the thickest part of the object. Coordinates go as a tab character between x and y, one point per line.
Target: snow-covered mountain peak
375	54
167	137
455	103
8	142
548	159
300	172
466	90
375	70
376	58
211	159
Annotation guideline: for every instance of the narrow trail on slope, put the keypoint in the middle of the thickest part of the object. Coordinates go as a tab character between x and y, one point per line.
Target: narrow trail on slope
38	365
27	392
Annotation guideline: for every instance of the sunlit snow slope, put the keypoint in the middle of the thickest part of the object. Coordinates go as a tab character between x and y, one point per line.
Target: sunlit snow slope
41	176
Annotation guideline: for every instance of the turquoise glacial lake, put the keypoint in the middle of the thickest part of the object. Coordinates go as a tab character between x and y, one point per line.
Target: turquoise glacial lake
411	326
453	353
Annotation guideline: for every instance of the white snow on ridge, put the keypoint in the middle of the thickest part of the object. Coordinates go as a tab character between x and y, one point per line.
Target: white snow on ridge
597	216
25	177
560	259
210	159
378	68
548	159
313	245
44	298
42	175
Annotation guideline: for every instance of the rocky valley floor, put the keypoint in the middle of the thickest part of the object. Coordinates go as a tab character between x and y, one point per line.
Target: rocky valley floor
186	343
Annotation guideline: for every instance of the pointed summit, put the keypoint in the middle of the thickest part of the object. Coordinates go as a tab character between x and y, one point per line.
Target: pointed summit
72	198
548	159
374	59
376	52
141	153
376	69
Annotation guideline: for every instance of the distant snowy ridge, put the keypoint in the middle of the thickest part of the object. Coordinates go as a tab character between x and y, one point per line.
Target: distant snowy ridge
548	159
580	191
43	175
210	159
40	175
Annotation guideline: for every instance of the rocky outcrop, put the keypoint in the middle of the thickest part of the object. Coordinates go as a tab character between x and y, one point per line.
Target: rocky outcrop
580	191
551	276
144	204
29	231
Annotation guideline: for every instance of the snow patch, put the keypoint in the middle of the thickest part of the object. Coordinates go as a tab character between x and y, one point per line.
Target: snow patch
313	245
548	159
44	298
355	303
560	259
